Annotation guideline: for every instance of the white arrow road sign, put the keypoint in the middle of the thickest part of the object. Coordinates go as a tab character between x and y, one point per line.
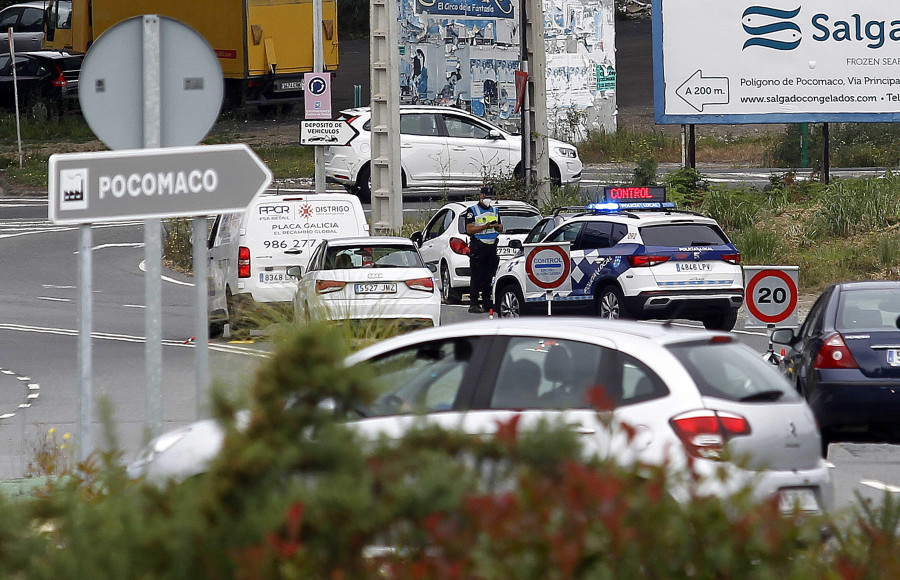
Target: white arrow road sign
326	132
127	184
699	90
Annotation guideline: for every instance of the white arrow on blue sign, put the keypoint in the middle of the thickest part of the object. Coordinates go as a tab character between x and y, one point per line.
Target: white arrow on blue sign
170	182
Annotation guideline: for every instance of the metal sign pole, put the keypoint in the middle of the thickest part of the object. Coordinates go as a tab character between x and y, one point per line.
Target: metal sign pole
152	231
318	66
201	332
85	327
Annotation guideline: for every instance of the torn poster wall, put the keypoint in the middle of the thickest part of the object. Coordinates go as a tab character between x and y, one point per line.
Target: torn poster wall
465	53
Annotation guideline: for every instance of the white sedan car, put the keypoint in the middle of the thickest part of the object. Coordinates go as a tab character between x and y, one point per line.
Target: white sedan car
441	147
444	243
377	277
692	399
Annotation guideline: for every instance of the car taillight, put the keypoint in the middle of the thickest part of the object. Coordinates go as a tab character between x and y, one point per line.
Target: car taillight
705	432
243	262
60	80
459	246
353	118
328	286
834	354
643	261
423	284
732	258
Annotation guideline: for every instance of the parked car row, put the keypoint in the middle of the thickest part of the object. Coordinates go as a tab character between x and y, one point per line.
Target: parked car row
46	83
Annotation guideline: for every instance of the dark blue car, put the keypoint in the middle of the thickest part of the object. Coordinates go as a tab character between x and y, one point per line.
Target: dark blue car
845	359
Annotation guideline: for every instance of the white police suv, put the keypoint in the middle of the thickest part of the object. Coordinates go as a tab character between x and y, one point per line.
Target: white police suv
632	256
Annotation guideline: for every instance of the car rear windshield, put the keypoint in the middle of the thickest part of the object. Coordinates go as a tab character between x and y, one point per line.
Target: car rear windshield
733	371
344	257
869	309
517	221
683	235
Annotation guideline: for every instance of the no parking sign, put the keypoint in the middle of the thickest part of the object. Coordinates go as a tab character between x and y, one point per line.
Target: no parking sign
771	295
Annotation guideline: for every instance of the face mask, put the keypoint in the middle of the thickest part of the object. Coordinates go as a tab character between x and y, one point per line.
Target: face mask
486	202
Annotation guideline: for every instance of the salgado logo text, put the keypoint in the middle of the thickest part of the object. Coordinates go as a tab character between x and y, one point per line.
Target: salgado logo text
774	28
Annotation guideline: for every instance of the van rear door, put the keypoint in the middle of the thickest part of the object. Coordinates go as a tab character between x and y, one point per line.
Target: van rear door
283	232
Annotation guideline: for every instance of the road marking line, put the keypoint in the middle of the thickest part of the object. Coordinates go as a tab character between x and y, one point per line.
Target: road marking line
881	486
51	299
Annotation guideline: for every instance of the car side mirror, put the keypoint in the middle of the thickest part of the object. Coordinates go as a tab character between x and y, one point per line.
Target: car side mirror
514	243
294	271
495	134
783	336
432	267
417	239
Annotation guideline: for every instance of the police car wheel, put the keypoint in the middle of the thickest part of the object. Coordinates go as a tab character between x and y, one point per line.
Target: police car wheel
510	302
722	321
611	304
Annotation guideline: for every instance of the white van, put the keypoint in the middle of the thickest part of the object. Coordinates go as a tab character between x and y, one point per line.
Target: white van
249	252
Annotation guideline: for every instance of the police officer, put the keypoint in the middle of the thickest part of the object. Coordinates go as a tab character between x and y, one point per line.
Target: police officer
483	225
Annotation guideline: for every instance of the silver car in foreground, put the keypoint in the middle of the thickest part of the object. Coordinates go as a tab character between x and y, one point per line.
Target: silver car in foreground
689	396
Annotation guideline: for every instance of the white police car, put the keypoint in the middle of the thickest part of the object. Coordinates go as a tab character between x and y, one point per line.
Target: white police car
633	256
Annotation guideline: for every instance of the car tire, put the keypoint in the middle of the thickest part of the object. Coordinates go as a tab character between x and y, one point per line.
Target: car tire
510	302
449	294
555	175
611	303
40	108
724	321
364	184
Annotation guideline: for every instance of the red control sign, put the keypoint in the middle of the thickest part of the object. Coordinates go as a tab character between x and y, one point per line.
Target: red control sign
548	267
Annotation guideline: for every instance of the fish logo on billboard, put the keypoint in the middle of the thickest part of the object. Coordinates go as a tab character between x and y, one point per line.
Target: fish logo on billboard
771	28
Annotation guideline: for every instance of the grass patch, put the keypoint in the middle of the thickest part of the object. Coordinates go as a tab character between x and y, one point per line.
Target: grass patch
288	161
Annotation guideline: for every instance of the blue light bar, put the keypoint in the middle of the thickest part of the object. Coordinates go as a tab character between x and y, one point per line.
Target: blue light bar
648	205
612	207
609	206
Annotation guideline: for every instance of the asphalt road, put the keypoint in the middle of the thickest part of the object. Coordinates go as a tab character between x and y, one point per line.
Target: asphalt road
39	387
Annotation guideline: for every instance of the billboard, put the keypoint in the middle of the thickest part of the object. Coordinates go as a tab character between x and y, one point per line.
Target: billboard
776	61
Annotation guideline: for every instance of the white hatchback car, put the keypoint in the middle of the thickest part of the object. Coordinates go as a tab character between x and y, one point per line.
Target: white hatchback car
691	398
441	147
377	277
444	243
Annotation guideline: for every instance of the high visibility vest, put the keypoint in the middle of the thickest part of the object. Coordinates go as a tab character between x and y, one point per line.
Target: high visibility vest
486	216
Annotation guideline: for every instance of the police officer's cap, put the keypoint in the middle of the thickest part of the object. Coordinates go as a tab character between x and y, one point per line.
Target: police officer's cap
487	190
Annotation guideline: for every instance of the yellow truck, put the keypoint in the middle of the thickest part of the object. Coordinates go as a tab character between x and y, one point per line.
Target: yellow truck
264	46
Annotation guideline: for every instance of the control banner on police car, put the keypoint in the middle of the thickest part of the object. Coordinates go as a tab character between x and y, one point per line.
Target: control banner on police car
784	61
547	268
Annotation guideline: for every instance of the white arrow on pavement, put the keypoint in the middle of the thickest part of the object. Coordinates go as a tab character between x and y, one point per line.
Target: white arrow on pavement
699	91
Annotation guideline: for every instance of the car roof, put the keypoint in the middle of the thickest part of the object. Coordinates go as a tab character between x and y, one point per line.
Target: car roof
501	203
868	285
650	217
356	240
572	328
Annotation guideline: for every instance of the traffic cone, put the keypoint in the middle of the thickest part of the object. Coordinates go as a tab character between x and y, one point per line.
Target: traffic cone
491	314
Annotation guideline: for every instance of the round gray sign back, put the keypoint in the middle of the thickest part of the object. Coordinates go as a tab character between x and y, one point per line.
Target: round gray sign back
112	93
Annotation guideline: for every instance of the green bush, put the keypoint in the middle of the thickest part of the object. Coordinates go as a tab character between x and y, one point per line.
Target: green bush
296	495
734	209
857	205
686	187
757	246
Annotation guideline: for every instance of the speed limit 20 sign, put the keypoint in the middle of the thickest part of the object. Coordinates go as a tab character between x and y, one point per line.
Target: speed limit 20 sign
771	295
